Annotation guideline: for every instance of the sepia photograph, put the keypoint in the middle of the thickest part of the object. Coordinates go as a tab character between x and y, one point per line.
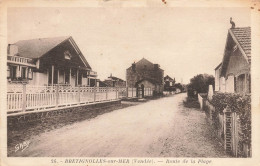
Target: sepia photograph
134	84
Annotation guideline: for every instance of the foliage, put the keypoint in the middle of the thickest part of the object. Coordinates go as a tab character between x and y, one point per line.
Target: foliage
191	103
241	104
179	86
200	84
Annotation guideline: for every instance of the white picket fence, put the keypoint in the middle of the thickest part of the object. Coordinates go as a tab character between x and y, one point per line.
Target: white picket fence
21	98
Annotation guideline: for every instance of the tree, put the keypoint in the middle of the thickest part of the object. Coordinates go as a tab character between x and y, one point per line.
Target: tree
200	84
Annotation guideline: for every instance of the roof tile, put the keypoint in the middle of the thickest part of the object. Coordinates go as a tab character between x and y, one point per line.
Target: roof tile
243	36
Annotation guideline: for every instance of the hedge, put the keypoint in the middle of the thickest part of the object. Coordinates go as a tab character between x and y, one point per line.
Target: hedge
241	104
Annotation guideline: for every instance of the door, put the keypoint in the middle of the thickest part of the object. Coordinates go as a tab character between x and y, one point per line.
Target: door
142	89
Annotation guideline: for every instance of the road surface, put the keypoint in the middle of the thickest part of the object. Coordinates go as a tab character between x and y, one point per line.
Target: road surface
157	128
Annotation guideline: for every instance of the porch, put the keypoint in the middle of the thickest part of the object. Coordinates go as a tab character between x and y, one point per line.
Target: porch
70	76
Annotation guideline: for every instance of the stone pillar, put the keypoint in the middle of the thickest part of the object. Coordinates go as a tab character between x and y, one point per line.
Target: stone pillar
210	92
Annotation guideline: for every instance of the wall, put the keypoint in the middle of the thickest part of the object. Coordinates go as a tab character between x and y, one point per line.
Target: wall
147	84
84	81
230	84
217	79
237	64
222	84
134	76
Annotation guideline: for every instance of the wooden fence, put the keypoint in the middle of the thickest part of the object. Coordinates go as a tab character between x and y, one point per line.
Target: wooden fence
21	98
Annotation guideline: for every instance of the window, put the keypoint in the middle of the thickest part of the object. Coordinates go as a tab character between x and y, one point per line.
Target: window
240	83
13	72
67	55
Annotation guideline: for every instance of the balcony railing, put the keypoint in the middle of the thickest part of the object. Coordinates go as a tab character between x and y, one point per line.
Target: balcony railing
20	60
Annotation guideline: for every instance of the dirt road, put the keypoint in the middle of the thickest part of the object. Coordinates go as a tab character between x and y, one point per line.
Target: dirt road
158	128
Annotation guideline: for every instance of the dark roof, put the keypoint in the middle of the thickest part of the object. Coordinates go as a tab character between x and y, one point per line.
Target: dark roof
35	48
144	62
243	37
102	83
218	66
168	77
115	78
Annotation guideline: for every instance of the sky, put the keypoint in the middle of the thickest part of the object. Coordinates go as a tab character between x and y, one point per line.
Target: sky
183	41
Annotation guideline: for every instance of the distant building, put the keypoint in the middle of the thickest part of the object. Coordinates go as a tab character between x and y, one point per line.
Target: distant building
169	83
147	74
113	81
233	74
48	61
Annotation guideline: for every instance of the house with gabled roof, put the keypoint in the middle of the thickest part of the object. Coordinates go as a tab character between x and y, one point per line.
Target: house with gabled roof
169	83
113	81
234	71
146	74
48	61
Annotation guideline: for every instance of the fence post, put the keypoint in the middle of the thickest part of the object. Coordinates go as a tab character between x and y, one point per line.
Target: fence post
57	95
24	97
132	92
224	121
94	93
235	133
126	92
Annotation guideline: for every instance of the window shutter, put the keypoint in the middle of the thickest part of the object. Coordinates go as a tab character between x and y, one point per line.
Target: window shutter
30	73
8	72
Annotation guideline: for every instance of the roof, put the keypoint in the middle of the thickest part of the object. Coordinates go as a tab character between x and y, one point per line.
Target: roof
218	66
102	83
243	37
35	48
144	62
238	38
115	78
168	78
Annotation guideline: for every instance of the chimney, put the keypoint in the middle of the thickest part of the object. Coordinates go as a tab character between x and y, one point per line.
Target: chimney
156	66
12	49
133	66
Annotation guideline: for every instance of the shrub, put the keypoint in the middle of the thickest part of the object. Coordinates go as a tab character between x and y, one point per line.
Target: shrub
241	104
191	103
